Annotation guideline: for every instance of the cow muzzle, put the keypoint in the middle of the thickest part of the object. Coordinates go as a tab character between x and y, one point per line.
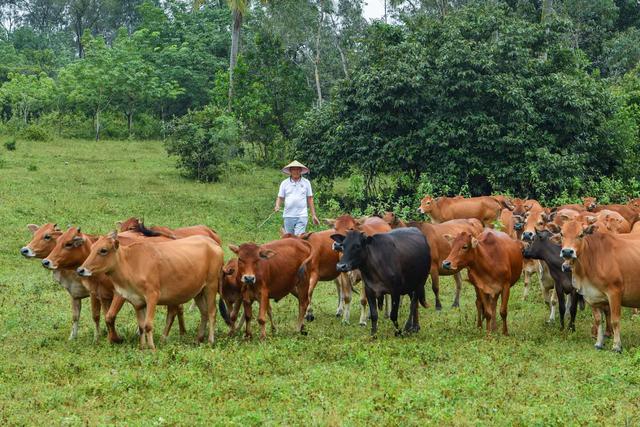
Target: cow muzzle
566	267
420	210
343	267
249	279
568	253
27	252
527	236
447	265
46	263
84	272
338	247
518	226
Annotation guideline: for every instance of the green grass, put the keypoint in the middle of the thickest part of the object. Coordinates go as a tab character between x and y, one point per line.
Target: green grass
449	373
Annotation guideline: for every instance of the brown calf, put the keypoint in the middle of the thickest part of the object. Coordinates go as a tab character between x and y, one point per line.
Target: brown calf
485	209
135	225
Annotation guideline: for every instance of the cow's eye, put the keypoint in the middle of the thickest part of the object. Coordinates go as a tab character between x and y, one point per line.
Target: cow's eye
540	223
465	247
103	251
47	237
68	245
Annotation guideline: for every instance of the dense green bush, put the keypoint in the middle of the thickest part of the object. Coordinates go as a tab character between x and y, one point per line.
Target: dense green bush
10	144
203	141
68	125
35	132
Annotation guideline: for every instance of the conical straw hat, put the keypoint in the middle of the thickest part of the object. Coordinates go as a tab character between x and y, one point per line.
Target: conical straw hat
295	164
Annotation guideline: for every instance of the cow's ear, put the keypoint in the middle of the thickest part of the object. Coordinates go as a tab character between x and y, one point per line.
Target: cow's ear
330	222
33	228
474	242
55	227
545	217
283	232
267	253
553	227
449	238
234	249
368	239
119	225
229	271
590	229
113	235
338	238
116	244
360	221
591	219
556	238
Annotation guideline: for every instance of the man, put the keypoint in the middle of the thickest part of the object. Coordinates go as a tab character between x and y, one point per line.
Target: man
296	194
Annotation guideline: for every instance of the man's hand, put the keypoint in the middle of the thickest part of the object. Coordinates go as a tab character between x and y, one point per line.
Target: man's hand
276	208
316	221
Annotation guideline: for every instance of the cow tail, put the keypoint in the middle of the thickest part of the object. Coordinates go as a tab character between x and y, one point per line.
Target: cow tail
223	311
303	271
421	297
147	232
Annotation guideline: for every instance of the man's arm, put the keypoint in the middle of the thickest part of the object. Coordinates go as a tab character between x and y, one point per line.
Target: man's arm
279	201
316	221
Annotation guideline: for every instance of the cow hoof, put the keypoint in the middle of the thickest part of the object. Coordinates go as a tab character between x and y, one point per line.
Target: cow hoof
617	349
338	314
599	347
398	333
310	317
363	323
116	340
345	322
304	333
455	305
438	308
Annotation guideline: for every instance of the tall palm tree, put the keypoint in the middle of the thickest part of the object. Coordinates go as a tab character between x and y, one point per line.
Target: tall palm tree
238	10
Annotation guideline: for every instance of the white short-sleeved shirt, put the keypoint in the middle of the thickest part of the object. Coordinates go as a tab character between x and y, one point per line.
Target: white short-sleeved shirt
295	195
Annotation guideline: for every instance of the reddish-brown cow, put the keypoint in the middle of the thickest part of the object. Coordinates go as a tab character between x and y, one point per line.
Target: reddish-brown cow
272	271
627	211
485	208
494	262
135	225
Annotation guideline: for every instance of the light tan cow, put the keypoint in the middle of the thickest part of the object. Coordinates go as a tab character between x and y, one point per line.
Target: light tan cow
166	273
485	209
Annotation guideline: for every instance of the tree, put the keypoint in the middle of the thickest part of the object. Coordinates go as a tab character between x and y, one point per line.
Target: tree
27	94
238	10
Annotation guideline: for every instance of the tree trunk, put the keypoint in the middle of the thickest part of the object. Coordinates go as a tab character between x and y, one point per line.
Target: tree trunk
547	10
129	121
316	61
235	46
97	124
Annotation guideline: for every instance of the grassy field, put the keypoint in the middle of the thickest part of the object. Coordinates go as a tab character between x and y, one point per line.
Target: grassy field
449	373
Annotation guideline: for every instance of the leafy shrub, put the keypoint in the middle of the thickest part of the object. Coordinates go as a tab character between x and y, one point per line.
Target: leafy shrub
35	132
10	145
113	126
204	140
68	125
32	168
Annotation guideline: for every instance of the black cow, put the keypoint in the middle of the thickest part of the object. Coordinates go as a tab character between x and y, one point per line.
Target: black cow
543	248
395	263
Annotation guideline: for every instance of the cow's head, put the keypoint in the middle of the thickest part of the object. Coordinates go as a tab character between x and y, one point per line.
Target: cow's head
541	242
250	260
131	224
589	203
534	220
71	249
103	256
573	233
613	222
462	251
426	204
634	204
42	242
353	249
230	290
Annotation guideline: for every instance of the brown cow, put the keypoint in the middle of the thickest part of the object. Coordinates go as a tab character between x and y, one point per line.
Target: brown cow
605	271
440	248
393	220
323	268
135	225
369	226
521	206
628	212
494	262
504	201
165	273
484	208
42	243
72	249
272	271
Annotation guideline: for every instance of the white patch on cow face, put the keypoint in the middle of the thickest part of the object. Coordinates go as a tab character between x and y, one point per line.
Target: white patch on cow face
27	252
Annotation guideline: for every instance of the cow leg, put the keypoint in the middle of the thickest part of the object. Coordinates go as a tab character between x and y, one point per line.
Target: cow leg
262	312
489	312
395	305
303	302
435	287
573	310
601	326
413	324
340	308
373	311
504	302
233	317
561	304
458	279
110	318
180	314
152	300
386	305
527	279
615	307
313	281
246	305
347	292
76	306
140	317
171	315
201	303
479	308
210	294
363	306
273	325
95	315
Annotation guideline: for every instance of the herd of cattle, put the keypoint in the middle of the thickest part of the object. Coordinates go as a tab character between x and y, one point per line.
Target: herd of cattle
581	253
